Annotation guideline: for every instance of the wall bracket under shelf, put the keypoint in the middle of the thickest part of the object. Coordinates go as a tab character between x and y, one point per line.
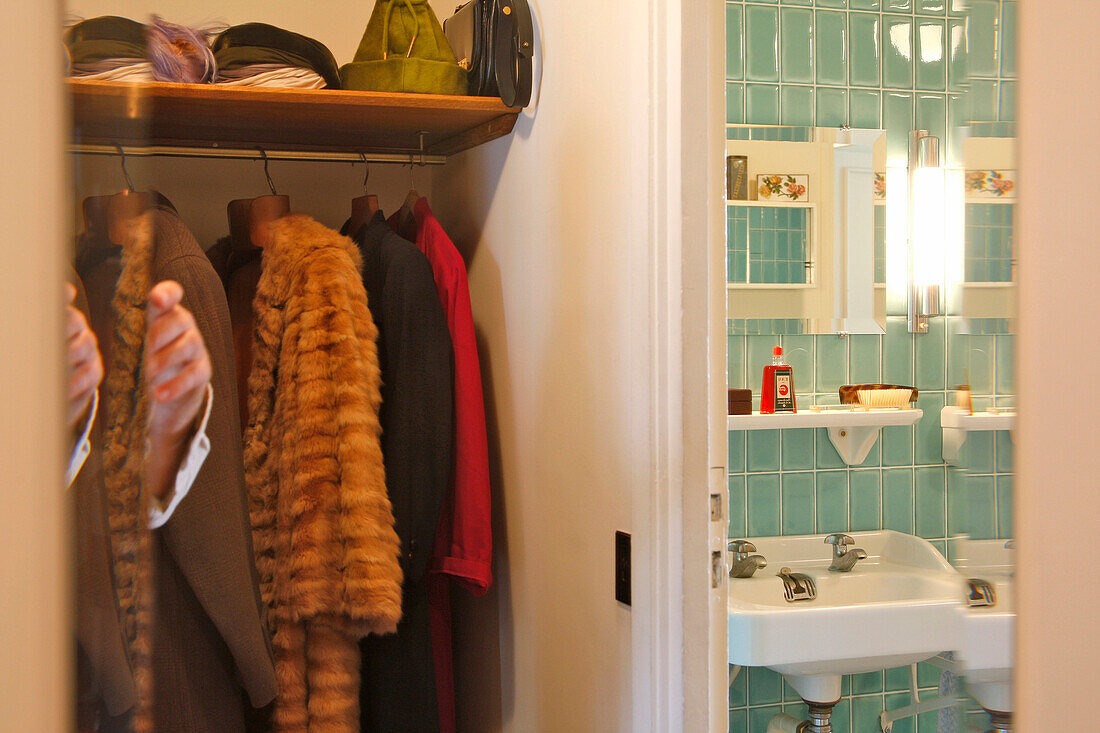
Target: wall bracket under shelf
958	423
853	433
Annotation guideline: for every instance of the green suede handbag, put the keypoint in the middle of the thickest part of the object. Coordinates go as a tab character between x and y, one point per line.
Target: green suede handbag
404	50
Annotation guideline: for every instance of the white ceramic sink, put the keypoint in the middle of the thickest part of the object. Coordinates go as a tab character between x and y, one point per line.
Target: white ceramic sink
897	607
986	647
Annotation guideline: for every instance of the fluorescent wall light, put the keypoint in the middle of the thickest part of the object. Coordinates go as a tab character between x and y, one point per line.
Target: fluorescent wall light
927	233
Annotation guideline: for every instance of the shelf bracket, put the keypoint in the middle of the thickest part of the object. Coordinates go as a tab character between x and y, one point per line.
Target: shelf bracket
953	439
854	443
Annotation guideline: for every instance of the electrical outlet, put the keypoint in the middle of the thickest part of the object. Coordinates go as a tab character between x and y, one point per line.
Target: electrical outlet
622	567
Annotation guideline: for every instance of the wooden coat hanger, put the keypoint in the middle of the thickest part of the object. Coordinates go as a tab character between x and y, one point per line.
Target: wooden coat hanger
125	207
362	207
264	210
237	212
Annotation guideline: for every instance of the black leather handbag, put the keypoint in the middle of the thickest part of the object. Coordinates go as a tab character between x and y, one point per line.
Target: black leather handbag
494	41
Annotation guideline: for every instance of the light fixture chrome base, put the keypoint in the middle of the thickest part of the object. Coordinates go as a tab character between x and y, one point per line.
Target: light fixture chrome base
999	722
924	304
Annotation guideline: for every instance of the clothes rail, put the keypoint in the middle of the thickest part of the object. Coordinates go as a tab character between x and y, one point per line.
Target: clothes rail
412	158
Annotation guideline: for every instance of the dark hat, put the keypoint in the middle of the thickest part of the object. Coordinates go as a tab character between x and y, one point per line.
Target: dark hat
260	43
105	37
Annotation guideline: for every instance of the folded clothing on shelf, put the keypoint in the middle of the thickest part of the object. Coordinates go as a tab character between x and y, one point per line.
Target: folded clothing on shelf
258	54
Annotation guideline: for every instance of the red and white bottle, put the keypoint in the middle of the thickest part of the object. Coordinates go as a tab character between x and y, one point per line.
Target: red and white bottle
777	392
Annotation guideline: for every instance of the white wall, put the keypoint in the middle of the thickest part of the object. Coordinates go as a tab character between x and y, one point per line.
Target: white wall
34	639
1058	466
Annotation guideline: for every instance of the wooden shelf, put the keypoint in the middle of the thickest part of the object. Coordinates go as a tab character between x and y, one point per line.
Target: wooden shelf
322	120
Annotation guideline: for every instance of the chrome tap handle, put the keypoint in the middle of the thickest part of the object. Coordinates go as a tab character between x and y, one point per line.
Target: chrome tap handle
740	548
1010	545
840	540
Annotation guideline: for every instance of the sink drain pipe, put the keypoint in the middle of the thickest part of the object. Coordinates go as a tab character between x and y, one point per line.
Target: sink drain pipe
819	722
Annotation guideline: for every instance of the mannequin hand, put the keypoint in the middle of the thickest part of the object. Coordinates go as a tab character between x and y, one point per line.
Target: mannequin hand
85	366
177	370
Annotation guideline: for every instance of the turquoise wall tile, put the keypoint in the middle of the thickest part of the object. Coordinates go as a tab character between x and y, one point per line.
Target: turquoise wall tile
796	105
976	508
765	686
832	107
1007	102
759	717
897	51
739	721
864	50
825	452
897	700
983	100
899	6
932	113
1008	38
738	507
928	439
832	3
865	712
831	46
761	43
897	353
957	72
896	679
931	502
958	7
796	52
735	41
984	17
865	500
759	356
832	363
798	503
832	501
735	442
763	451
762	104
867	683
735	362
1004	447
864	355
932	7
958	110
897	499
1004	507
735	103
931	54
932	356
739	690
865	4
798	351
864	109
798	449
897	446
763	505
978	452
897	118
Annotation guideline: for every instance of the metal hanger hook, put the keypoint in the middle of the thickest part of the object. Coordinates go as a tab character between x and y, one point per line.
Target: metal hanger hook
125	173
270	183
366	166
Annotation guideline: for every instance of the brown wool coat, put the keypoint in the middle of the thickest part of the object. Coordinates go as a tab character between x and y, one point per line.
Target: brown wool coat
187	593
323	528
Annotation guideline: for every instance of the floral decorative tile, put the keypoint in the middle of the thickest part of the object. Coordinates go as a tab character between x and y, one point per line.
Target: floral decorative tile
782	187
991	184
880	186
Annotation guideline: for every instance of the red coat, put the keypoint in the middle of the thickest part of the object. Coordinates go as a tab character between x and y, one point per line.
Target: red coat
464	539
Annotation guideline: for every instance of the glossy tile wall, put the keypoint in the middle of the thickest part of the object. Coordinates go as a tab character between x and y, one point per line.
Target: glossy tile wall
893	64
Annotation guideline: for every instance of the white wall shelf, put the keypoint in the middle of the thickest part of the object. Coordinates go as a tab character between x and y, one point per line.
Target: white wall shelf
853	433
957	424
772	204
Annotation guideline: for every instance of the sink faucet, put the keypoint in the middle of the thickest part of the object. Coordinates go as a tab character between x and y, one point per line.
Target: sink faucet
844	559
744	564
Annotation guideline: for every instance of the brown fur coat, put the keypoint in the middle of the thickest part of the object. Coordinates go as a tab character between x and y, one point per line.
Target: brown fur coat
323	528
